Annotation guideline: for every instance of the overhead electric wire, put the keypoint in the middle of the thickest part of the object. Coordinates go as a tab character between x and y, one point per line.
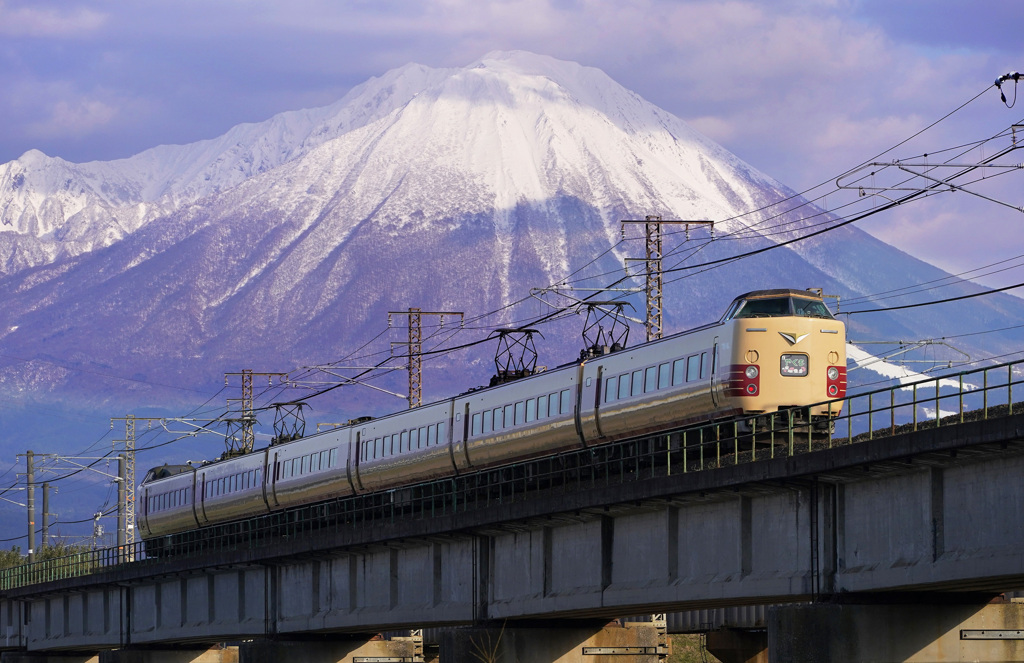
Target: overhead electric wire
936	301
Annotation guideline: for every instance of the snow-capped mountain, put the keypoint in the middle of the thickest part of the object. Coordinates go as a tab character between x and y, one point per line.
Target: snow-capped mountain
286	243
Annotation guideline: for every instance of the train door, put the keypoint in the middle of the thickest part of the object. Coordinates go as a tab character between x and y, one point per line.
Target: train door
460	437
143	503
714	374
270	476
263	479
355	455
201	503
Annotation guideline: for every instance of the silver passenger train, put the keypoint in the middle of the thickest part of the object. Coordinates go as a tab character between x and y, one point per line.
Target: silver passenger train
772	349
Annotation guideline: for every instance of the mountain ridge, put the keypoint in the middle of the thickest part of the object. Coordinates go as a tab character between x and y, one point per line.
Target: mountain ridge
451	189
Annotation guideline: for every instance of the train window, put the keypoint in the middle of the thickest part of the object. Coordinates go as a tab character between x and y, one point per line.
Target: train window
650	379
440	433
703	366
314	463
305	465
478	424
624	385
693	368
414	438
509	421
332	457
488	418
430	435
542	407
221	486
531	410
566	405
611	389
638	383
664	376
811	308
678	371
520	412
403	442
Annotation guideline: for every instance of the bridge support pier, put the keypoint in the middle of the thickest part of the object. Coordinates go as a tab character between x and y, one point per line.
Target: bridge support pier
47	657
178	655
733	645
551	643
323	650
911	633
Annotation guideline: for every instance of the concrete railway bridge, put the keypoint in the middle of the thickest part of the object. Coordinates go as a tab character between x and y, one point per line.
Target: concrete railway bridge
891	538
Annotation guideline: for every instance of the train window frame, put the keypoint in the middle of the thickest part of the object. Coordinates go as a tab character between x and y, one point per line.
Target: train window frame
693	368
650	379
678	371
638	383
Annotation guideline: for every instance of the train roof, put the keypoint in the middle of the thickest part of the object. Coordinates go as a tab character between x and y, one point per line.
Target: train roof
780	292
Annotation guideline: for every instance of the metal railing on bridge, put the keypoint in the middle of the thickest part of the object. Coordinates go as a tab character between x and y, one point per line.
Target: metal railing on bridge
977	394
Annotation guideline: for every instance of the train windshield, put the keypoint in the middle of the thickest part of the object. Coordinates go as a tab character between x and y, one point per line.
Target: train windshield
772	307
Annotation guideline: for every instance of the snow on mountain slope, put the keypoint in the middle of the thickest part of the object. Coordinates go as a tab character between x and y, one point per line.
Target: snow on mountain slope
51	208
286	243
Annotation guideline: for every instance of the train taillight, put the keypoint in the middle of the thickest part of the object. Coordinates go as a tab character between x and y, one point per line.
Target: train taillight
835	383
744	380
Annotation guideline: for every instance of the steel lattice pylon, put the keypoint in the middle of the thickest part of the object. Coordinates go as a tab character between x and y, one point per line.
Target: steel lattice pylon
415	348
248	417
653	281
129	461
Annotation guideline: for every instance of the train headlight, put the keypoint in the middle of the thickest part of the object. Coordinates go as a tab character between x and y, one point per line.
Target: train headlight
833	373
751	372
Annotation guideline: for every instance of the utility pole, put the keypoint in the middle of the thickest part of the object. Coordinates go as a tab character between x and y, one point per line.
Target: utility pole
653	282
248	418
415	348
122	505
45	538
30	502
59	463
129	453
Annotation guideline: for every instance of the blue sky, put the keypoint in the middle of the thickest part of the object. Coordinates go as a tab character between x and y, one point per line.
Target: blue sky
801	89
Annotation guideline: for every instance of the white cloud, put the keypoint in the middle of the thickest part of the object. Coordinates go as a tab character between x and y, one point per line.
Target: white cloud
31	20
